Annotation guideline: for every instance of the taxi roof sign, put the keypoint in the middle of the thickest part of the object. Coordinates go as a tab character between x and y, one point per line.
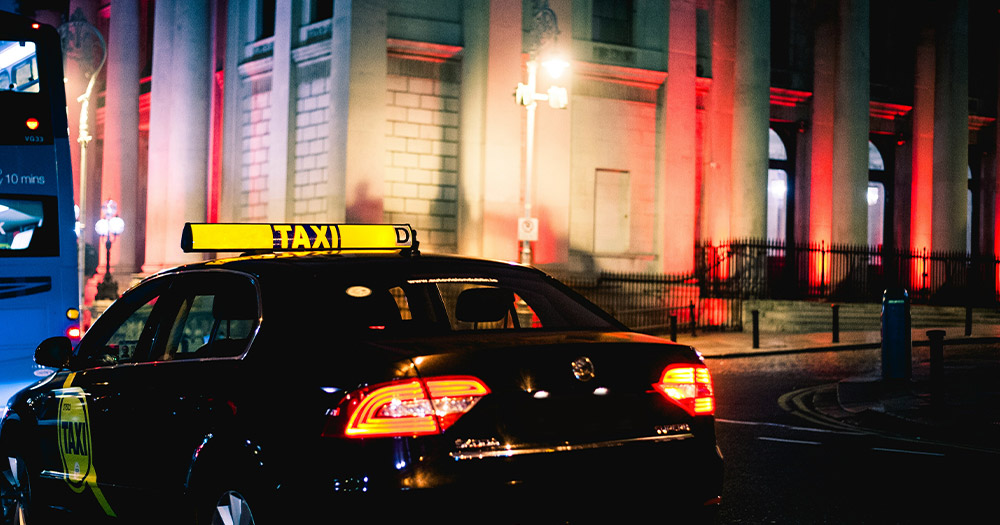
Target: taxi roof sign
232	237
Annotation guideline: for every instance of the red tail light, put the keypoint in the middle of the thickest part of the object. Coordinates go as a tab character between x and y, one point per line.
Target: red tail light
690	387
411	407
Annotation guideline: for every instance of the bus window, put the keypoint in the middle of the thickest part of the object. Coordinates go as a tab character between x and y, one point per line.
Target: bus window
18	66
22	231
25	76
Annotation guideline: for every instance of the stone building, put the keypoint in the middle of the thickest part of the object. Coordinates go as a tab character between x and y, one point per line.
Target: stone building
822	121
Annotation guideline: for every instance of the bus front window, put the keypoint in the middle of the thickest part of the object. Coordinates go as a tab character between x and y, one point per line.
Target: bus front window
18	66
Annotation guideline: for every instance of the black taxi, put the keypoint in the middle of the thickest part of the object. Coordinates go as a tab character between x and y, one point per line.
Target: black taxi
334	371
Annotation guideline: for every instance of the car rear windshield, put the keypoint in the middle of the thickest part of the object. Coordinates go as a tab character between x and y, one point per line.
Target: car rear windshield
457	301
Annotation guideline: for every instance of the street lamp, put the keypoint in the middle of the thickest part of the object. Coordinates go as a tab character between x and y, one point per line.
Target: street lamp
544	32
78	38
110	227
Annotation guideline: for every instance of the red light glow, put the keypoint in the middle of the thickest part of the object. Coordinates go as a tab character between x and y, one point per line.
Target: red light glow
32	123
74	332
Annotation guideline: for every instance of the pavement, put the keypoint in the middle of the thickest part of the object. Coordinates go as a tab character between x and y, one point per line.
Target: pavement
953	398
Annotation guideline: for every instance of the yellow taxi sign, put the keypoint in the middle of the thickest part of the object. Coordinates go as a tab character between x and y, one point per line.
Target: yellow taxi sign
229	237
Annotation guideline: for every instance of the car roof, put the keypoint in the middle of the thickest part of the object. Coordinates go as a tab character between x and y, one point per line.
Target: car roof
282	263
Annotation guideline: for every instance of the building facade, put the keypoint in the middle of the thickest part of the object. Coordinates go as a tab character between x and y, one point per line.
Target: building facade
688	121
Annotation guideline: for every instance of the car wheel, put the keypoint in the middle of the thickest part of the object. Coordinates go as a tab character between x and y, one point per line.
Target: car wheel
15	491
232	509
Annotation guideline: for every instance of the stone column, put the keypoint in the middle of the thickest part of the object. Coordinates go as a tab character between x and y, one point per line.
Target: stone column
851	123
179	128
159	138
677	183
821	127
922	178
719	125
751	116
237	12
280	157
358	69
472	126
121	131
951	125
490	167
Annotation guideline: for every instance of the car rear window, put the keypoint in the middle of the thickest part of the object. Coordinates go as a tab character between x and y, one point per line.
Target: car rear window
453	302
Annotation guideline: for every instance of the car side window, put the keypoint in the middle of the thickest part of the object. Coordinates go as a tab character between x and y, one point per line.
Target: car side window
212	314
123	333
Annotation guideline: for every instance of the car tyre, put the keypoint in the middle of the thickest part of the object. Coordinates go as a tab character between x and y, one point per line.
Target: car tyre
15	492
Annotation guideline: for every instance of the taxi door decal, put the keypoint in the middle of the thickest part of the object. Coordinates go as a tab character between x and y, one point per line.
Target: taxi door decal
74	437
75	445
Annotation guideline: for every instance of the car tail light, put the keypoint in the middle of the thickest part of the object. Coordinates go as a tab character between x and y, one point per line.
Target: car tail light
690	387
411	407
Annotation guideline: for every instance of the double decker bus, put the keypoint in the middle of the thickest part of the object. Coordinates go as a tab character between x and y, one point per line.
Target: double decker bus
39	283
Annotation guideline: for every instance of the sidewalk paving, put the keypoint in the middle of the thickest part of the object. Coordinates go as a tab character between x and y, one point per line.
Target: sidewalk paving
732	344
962	407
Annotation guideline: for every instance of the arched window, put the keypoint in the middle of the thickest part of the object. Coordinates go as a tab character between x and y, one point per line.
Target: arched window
777	188
876	198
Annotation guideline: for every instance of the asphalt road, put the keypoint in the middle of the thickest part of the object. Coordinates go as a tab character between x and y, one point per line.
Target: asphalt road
788	463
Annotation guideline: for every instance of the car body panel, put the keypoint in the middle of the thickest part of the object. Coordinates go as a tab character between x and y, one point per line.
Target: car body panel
253	390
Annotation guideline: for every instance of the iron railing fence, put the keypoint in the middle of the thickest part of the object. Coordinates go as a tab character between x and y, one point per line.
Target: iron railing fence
728	273
650	302
753	269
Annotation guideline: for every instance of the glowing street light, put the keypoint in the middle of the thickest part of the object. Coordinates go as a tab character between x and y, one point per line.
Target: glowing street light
544	32
110	227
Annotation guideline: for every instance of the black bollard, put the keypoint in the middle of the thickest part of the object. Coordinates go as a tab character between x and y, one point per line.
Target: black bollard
694	323
836	322
756	329
968	321
936	338
673	327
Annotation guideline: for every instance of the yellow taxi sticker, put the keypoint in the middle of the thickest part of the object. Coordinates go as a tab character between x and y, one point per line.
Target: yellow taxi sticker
75	444
220	237
74	437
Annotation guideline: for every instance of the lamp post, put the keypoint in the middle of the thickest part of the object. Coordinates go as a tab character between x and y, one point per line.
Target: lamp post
544	32
110	227
74	35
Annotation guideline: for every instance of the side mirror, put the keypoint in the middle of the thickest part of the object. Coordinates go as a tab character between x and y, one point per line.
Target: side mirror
54	352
